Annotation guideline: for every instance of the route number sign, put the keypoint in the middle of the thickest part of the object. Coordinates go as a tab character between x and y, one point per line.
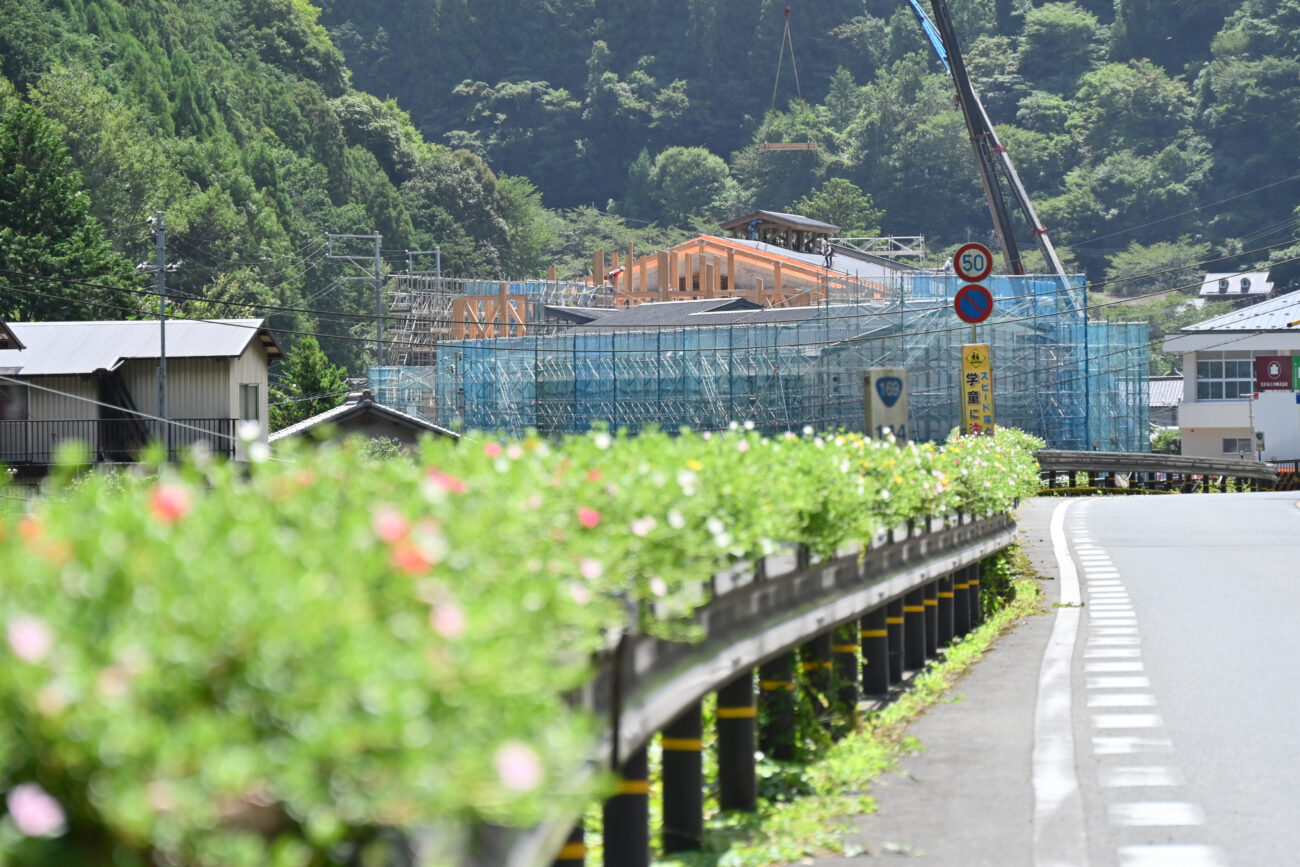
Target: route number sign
973	303
972	262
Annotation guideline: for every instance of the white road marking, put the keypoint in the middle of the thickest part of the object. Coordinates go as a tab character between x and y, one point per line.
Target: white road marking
1059	829
1130	775
1127	721
1122	745
1122	699
1149	814
1120	636
1112	653
1112	666
1119	681
1170	855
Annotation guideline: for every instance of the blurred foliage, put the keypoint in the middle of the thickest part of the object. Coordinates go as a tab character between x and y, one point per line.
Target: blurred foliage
271	664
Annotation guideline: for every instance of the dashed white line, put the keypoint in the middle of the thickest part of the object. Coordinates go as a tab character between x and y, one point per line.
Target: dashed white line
1169	855
1122	745
1122	699
1139	775
1118	682
1112	666
1127	721
1148	814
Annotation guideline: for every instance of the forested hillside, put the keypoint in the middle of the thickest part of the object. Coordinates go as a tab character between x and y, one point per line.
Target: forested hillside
519	135
1132	121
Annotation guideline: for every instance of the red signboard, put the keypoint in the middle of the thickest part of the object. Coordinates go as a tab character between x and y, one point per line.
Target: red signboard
1273	372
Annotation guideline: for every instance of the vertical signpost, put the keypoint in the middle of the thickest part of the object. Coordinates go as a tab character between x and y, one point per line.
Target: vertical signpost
977	389
973	303
884	400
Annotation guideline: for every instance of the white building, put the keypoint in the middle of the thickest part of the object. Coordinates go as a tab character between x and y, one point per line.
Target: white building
1241	380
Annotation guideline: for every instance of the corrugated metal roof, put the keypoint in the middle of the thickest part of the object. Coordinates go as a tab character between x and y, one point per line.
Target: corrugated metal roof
9	340
1270	315
859	266
366	405
704	312
63	348
1165	391
1236	284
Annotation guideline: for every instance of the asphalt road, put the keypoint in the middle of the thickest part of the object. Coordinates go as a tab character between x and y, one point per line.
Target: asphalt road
1181	692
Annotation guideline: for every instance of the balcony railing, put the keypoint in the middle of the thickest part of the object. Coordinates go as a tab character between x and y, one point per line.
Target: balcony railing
35	443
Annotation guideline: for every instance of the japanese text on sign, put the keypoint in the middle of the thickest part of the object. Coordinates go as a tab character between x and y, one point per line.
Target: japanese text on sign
977	389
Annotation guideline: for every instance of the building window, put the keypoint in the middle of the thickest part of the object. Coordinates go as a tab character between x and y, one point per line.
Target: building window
1237	446
249	405
1224	376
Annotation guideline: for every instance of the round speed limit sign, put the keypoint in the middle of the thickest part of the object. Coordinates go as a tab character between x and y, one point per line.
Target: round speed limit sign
972	262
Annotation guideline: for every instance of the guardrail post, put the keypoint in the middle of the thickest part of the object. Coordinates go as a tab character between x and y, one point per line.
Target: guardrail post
932	620
776	685
683	778
961	601
895	623
875	653
847	672
976	603
574	852
627	816
914	630
945	610
815	661
737	786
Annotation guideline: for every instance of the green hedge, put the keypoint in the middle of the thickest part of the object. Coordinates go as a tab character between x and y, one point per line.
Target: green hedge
216	665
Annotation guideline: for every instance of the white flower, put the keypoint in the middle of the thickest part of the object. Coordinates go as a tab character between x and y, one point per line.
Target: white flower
643	526
749	424
884	493
686	481
715	526
676	520
248	432
603	440
808	430
259	452
658	587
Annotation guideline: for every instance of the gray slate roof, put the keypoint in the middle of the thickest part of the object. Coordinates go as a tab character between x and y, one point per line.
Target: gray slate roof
67	348
1270	315
366	405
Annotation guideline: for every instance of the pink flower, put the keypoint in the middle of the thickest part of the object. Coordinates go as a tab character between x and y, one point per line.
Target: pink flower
588	517
492	450
591	568
658	587
389	525
411	558
515	452
593	475
580	593
743	445
451	484
448	620
34	812
642	526
518	766
29	638
169	503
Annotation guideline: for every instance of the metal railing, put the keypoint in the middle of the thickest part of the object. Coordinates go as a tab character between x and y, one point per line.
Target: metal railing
1146	471
36	443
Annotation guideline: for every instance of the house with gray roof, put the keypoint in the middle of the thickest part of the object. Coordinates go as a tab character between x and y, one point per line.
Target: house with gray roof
362	415
98	383
1241	382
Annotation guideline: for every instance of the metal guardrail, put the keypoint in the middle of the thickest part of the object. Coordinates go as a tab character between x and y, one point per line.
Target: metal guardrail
1149	471
755	615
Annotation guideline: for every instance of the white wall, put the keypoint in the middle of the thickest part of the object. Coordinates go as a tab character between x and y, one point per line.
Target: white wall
1277	414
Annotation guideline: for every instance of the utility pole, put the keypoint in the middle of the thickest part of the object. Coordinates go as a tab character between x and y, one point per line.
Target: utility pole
377	275
159	269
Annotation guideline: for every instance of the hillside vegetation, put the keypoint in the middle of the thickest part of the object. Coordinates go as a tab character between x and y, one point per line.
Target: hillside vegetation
514	136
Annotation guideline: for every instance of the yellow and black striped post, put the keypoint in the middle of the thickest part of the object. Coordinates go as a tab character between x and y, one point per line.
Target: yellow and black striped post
776	685
574	853
932	620
683	778
845	649
914	630
961	601
874	635
895	624
816	662
945	610
627	815
976	603
737	785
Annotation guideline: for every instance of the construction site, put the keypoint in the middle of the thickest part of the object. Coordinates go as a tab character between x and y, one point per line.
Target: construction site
721	330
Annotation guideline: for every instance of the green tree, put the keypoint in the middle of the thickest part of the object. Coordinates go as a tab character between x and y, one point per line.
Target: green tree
686	181
1059	43
1166	266
842	204
308	385
53	253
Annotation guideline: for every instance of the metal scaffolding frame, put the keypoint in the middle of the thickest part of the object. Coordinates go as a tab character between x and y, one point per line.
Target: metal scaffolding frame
1077	384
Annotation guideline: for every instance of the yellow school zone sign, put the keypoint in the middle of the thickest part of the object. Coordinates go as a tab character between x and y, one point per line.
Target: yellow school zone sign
977	389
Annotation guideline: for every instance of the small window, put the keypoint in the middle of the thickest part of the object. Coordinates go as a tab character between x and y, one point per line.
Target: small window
249	405
13	401
1245	284
1237	446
